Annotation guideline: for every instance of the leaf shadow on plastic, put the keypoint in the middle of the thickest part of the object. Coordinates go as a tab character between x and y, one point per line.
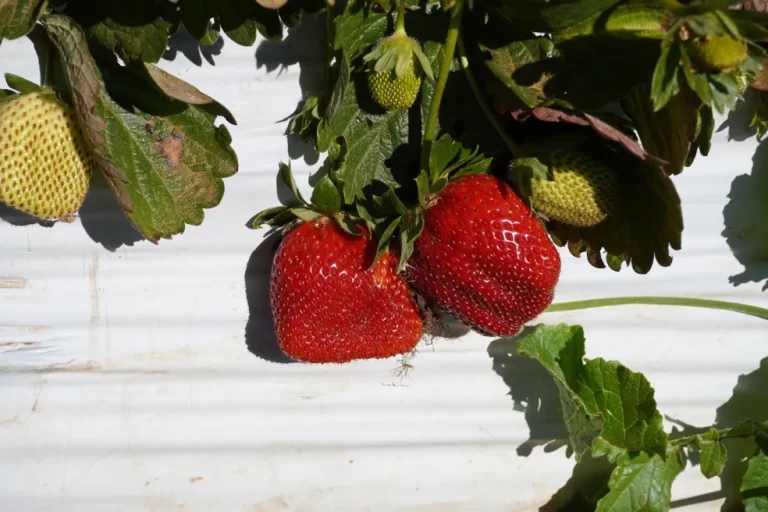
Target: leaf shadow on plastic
182	42
302	46
534	392
260	336
748	401
746	221
103	219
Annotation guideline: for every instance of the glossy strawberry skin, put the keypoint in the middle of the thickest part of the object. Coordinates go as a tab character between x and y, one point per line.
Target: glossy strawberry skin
329	307
484	257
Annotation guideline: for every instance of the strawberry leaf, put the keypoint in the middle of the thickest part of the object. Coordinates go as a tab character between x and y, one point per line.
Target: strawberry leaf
669	132
641	482
666	77
164	159
754	486
713	453
326	197
136	30
507	63
18	17
547	16
287	191
358	28
607	408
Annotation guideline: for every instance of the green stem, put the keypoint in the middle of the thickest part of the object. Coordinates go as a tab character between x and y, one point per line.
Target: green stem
660	301
430	129
723	434
329	12
400	27
513	147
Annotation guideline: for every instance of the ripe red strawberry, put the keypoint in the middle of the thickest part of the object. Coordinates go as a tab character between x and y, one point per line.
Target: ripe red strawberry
484	257
330	307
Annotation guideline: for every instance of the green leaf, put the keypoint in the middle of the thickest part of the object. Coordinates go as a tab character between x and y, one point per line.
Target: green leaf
326	196
560	349
145	42
287	191
358	28
598	396
305	214
165	160
754	486
265	216
21	84
666	82
713	453
18	17
441	153
371	140
549	16
386	236
641	483
506	62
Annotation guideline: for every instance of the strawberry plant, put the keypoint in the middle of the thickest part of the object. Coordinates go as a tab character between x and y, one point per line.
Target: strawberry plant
469	146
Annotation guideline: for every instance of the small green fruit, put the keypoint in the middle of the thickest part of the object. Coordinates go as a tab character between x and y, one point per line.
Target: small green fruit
582	192
45	165
393	92
397	66
718	53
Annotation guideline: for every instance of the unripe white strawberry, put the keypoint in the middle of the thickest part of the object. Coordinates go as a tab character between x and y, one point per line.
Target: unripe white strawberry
45	165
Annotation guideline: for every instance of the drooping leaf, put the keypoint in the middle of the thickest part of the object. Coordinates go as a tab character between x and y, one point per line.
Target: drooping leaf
667	133
713	453
641	482
18	17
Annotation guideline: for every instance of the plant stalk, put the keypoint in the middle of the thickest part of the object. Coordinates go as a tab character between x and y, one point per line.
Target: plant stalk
513	147
400	27
329	36
430	129
660	301
723	434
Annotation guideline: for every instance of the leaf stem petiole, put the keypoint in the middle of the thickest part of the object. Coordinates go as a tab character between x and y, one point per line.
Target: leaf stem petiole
430	129
660	301
513	147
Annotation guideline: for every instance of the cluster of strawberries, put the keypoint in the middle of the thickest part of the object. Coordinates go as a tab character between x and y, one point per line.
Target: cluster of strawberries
482	256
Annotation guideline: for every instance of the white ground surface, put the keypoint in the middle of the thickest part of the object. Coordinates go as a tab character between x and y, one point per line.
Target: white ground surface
126	383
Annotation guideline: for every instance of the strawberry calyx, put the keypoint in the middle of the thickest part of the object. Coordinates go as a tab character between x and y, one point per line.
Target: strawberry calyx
325	204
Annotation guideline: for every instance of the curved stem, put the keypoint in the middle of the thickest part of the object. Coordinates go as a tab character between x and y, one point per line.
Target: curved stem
514	148
660	301
430	129
400	27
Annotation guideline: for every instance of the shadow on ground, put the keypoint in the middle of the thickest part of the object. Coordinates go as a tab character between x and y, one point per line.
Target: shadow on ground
303	45
746	221
260	337
103	219
182	42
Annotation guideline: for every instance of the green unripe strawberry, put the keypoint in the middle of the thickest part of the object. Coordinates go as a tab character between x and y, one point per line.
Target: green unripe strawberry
581	191
393	92
717	53
45	165
397	66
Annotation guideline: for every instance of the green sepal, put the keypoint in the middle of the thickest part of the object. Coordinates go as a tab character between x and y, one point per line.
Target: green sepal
384	239
21	84
287	191
326	196
265	216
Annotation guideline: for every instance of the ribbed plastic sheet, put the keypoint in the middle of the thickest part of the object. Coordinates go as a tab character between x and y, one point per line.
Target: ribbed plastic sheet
126	382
